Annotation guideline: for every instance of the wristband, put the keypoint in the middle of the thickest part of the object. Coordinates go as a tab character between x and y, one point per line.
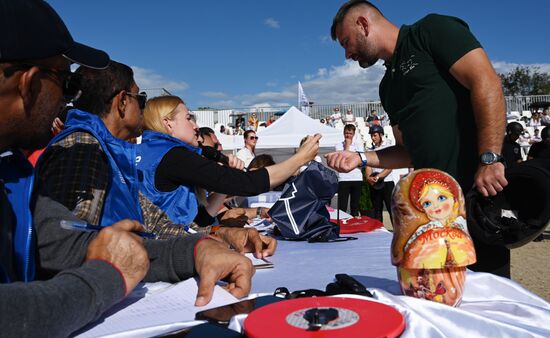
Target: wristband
214	229
363	158
259	212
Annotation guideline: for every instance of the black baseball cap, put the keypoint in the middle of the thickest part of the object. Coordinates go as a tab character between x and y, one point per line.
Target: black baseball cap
514	128
31	29
376	129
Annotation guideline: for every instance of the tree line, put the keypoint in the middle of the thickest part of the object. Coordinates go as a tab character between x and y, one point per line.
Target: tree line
525	80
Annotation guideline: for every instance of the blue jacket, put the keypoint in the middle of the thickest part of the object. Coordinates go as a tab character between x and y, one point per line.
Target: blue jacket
121	198
17	175
181	204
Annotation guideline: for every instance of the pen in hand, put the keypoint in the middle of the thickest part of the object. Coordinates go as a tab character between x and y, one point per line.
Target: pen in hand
83	226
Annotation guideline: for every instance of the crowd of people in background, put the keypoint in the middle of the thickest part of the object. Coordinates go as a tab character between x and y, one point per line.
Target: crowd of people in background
243	122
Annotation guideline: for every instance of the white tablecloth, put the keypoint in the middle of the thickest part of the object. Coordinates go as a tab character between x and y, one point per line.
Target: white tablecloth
491	307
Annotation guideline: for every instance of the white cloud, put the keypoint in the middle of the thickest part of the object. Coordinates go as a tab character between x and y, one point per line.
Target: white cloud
345	83
222	104
503	67
325	39
147	78
272	98
272	23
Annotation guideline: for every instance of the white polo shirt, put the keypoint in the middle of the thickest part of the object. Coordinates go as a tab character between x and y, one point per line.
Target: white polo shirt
355	174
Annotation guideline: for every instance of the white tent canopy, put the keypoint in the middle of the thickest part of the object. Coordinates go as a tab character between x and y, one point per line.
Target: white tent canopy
289	129
286	132
230	142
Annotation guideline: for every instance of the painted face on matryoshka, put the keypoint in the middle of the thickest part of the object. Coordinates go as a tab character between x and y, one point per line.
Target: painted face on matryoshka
438	203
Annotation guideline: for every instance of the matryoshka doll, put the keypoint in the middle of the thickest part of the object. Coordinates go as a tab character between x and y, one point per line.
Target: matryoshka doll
431	245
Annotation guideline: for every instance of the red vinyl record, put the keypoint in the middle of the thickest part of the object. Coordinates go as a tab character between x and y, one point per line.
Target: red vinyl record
354	318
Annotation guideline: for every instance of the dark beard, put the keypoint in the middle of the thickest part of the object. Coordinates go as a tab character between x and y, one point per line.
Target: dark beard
36	131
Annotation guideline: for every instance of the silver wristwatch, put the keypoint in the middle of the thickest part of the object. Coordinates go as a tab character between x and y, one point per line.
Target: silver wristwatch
489	157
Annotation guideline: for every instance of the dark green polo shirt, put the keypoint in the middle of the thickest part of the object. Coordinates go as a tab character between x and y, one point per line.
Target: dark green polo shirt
433	111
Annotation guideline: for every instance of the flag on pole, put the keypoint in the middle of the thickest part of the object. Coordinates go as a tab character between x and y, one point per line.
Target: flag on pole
303	101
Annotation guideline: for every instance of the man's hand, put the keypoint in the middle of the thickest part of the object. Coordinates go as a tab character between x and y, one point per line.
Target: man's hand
343	161
490	179
214	261
309	148
235	217
372	180
248	240
117	245
235	162
264	213
57	126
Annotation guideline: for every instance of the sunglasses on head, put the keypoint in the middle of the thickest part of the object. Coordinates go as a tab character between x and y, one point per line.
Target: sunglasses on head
252	137
69	82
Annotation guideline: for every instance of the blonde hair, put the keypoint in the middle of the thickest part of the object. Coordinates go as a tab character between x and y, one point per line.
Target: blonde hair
443	190
157	109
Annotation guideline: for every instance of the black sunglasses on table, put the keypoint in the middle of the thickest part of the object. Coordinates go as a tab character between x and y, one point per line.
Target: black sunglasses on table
69	82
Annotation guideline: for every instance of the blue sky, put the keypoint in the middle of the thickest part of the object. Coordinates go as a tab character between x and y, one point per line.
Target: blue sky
243	53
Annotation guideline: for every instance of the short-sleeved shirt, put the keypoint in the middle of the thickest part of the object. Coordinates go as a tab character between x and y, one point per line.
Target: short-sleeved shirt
511	151
355	174
431	108
245	155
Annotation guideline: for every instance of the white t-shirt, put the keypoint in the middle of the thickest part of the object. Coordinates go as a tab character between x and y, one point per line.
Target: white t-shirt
355	174
390	176
349	118
246	156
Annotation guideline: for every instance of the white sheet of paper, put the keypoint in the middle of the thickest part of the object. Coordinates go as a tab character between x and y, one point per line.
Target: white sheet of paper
153	309
260	224
259	263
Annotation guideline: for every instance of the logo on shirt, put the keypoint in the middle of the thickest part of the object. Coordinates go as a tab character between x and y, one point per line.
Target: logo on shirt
408	65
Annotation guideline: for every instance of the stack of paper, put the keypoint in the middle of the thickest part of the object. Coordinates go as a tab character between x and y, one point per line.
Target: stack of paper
155	309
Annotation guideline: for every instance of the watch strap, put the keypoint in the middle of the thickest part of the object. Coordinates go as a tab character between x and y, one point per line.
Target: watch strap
363	158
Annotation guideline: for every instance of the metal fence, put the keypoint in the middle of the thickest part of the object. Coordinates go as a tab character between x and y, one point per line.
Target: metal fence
227	117
522	103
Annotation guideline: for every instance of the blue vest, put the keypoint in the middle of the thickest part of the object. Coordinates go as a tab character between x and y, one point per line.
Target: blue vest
181	204
18	177
121	198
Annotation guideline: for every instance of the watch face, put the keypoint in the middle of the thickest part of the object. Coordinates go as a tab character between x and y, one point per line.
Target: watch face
488	158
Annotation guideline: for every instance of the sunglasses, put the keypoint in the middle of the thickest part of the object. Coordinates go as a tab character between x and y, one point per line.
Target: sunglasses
252	137
140	97
69	82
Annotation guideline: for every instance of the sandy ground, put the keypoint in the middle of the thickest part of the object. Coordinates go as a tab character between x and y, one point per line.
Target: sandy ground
530	264
531	268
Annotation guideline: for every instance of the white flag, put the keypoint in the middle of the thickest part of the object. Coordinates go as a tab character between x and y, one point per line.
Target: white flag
303	101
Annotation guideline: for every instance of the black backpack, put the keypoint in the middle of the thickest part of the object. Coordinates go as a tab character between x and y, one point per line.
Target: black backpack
300	212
